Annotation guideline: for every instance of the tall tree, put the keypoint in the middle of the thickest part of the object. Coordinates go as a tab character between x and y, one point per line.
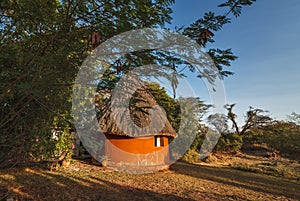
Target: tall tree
42	44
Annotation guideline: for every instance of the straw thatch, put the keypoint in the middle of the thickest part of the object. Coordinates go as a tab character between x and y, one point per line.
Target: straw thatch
138	115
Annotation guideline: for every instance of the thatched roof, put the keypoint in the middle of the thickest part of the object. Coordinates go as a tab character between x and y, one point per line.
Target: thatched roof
134	112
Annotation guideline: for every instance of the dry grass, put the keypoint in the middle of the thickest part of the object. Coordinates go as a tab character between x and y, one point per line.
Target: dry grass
82	181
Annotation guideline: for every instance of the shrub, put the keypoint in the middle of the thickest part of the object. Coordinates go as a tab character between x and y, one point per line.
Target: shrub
64	145
281	136
191	156
231	143
52	145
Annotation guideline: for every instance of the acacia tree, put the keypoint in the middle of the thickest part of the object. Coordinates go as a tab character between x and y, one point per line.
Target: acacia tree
254	117
42	44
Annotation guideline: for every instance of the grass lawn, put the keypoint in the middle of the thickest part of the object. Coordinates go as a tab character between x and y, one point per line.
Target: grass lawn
82	181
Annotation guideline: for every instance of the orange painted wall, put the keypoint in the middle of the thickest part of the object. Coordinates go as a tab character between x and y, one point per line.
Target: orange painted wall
136	151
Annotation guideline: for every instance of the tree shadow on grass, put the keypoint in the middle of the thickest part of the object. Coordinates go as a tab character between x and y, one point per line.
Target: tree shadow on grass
130	193
36	184
247	180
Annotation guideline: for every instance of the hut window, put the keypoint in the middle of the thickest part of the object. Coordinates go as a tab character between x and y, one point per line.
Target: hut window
158	141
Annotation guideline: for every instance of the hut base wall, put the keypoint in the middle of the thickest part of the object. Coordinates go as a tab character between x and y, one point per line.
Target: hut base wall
137	153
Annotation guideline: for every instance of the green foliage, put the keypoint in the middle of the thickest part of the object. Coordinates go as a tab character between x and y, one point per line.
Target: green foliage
236	5
254	136
52	145
198	141
191	113
202	32
281	136
64	145
231	142
42	45
185	115
42	146
191	156
222	58
170	105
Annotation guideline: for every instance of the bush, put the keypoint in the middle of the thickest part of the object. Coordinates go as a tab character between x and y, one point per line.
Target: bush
231	143
281	136
52	145
191	156
198	141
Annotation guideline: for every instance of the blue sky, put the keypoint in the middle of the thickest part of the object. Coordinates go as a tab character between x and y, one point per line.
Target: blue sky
266	40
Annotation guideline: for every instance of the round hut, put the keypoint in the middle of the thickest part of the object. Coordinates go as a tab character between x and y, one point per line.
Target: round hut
136	129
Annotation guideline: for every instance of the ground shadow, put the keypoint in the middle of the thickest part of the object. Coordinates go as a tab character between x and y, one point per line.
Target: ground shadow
37	184
247	180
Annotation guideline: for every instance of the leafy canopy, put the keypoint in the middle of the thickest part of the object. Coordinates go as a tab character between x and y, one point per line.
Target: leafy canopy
43	43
